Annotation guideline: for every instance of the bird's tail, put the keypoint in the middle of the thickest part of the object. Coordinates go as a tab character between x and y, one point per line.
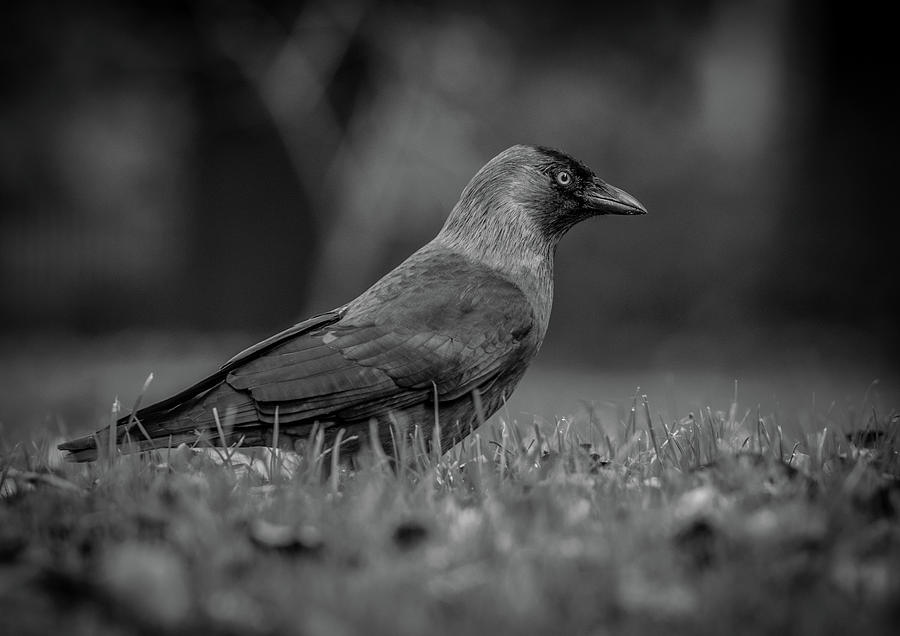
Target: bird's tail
162	426
89	447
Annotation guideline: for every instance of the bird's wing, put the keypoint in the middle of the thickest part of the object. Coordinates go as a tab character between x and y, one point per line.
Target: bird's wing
260	348
299	329
434	330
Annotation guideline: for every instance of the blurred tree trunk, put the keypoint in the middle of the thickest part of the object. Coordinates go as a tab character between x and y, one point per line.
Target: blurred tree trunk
252	234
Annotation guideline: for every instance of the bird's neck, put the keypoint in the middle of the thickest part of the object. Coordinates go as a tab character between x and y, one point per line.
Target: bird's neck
517	251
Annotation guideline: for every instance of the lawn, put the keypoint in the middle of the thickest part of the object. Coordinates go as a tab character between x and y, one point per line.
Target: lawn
621	516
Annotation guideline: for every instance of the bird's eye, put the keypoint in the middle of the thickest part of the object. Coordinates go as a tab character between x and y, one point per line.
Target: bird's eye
563	178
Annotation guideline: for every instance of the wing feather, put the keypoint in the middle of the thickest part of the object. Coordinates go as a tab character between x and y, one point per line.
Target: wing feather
438	322
458	334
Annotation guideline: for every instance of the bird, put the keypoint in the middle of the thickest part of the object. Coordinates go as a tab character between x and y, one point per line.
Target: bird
439	342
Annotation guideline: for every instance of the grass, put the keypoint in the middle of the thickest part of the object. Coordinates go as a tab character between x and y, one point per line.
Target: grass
717	522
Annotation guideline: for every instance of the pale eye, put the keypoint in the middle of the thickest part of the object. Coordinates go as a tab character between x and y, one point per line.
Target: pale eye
563	178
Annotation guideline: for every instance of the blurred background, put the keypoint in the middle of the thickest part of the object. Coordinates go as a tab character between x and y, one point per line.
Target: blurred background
181	178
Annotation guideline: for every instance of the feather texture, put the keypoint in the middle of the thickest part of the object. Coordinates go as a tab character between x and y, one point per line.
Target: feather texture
465	313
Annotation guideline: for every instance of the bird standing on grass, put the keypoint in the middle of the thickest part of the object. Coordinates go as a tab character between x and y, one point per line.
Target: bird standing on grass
447	334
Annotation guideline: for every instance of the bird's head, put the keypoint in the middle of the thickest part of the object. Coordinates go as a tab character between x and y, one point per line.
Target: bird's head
534	194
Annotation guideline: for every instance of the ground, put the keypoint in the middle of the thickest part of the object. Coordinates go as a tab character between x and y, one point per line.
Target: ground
690	512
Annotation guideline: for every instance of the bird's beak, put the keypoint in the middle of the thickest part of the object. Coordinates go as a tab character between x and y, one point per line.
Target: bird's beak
602	198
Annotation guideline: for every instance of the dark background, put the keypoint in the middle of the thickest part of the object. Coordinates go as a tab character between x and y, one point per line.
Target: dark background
221	167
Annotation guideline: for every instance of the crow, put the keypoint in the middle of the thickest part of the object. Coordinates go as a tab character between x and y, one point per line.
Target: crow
442	339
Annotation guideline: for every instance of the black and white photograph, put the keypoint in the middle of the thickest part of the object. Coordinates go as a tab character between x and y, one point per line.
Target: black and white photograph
382	317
